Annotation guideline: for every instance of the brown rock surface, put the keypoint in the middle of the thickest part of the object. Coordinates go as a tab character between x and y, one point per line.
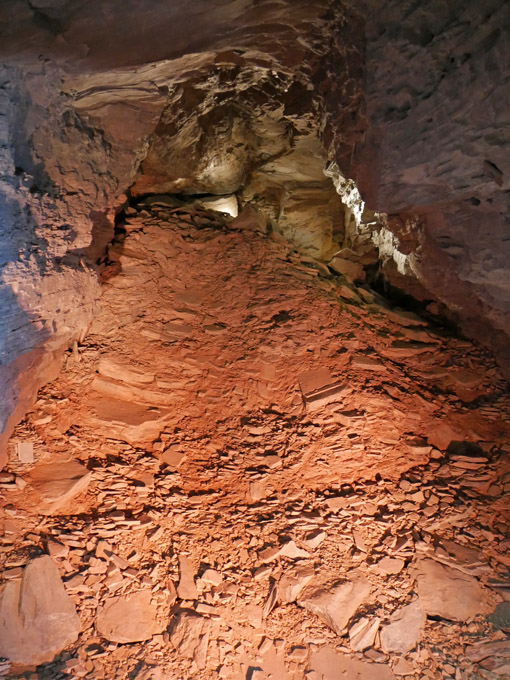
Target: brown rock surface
37	618
129	618
337	603
57	483
245	495
329	665
404	630
449	593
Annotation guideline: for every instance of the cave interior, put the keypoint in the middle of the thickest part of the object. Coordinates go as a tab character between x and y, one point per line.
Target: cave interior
254	340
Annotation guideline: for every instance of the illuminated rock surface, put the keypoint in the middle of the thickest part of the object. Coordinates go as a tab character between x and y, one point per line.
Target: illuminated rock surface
237	413
37	617
303	474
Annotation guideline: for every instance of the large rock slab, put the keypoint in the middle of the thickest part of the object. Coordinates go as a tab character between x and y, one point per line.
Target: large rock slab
449	593
37	617
130	618
405	629
336	604
58	483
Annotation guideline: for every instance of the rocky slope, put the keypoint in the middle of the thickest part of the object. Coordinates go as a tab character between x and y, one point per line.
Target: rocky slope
252	468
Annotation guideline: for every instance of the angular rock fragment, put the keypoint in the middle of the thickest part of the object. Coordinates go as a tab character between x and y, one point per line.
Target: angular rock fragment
130	618
294	581
58	483
336	604
314	538
37	617
405	629
485	650
186	589
449	593
362	633
26	452
319	388
189	635
403	667
368	363
288	549
389	565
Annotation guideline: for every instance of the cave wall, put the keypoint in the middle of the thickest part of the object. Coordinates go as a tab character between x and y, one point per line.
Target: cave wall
433	141
410	99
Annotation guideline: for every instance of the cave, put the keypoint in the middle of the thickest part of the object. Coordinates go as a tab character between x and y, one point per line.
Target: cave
254	339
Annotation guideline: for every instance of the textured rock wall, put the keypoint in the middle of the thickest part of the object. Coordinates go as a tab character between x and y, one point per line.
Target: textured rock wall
80	97
433	139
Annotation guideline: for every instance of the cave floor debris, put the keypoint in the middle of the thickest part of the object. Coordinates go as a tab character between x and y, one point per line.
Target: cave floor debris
283	476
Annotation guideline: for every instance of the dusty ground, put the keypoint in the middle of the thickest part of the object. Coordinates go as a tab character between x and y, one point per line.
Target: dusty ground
246	418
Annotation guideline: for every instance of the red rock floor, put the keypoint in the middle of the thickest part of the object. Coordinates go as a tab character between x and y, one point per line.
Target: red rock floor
273	456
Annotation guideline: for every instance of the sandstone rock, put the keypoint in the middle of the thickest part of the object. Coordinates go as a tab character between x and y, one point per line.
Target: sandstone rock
124	418
362	633
288	549
441	434
173	457
403	667
449	593
58	483
212	577
26	452
485	650
405	629
129	618
390	565
336	604
37	618
368	363
186	589
350	269
319	388
314	538
189	635
294	581
124	373
327	664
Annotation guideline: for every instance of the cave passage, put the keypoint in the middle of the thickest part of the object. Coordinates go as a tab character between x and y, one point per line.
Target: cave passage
251	467
254	340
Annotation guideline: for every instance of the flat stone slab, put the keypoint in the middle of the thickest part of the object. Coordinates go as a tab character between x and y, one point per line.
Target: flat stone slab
326	664
336	604
404	630
130	618
449	593
37	617
58	483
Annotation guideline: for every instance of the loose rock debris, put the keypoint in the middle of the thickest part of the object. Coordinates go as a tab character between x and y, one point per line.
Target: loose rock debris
250	468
